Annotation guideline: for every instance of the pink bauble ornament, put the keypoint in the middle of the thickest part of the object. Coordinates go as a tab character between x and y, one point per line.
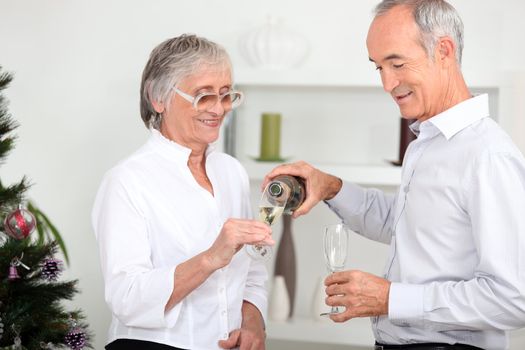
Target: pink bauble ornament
20	223
13	273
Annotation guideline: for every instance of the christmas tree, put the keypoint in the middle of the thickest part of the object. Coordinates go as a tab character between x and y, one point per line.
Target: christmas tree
31	314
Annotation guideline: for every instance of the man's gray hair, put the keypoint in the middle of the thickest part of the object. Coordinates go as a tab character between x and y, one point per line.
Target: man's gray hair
171	62
435	19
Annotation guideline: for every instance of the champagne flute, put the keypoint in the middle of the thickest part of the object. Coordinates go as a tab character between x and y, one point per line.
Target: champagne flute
271	207
335	242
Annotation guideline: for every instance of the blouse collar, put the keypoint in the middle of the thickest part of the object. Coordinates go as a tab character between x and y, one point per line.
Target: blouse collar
172	149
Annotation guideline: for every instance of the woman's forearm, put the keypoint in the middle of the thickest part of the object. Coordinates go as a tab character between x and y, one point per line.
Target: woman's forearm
188	276
252	318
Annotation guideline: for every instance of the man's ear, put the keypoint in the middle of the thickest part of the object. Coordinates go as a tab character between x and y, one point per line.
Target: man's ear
446	51
158	106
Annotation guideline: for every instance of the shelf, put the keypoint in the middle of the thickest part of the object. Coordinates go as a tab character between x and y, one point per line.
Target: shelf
355	78
382	175
313	78
353	332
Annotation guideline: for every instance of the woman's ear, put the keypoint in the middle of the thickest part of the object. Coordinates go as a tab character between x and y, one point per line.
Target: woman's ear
158	106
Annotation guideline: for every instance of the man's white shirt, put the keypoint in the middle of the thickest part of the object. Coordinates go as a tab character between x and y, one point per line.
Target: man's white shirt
456	229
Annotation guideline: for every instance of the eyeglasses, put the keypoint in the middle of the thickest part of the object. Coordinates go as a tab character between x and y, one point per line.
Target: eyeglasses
206	100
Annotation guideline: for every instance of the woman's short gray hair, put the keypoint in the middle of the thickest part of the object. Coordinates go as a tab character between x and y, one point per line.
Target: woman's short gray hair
435	19
169	63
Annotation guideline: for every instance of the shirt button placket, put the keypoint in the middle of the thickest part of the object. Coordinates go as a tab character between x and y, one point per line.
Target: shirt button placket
223	305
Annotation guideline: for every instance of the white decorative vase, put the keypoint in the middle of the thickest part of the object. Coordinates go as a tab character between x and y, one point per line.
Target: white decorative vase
279	303
318	302
272	46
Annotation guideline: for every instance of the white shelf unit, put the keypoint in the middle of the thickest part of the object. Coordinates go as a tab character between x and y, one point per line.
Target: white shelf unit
330	126
356	332
368	175
341	122
352	78
325	78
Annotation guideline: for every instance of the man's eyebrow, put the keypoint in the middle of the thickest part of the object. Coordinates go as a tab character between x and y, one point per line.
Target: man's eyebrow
393	56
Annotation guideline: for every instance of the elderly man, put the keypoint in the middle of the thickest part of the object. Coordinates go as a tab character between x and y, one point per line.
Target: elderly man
455	278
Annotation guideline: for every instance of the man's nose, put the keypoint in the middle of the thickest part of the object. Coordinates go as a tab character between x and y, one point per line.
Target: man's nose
390	81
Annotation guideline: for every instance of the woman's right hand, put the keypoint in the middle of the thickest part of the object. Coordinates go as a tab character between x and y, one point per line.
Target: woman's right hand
235	233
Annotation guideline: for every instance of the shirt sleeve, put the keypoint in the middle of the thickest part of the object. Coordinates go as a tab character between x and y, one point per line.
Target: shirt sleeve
495	297
135	290
255	290
366	211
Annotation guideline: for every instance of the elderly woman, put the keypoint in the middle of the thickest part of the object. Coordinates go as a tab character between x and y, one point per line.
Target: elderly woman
172	218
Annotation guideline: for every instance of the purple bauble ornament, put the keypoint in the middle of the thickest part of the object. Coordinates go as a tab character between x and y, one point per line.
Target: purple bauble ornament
75	339
51	268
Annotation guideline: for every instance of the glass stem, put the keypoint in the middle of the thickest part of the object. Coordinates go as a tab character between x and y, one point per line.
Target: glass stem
335	309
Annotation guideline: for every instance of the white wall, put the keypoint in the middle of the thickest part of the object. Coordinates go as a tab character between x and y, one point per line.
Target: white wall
77	68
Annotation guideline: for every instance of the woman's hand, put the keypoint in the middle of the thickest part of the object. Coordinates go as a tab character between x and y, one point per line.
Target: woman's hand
251	335
234	234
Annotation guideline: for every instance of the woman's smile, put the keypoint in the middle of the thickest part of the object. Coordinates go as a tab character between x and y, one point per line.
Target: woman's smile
211	122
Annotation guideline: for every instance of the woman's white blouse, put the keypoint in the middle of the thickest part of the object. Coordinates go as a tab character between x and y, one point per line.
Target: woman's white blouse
150	215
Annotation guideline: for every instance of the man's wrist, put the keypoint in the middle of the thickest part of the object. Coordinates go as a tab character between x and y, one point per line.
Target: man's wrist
334	187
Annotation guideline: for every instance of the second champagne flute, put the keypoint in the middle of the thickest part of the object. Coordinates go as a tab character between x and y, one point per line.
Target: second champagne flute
335	243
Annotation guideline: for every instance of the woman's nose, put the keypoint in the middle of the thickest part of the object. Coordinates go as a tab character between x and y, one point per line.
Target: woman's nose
218	107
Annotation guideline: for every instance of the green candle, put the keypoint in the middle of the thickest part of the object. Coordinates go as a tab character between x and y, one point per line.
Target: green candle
270	136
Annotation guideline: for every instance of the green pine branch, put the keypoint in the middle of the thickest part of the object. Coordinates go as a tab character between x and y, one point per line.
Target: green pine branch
6	122
12	196
30	306
5	79
32	302
46	231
